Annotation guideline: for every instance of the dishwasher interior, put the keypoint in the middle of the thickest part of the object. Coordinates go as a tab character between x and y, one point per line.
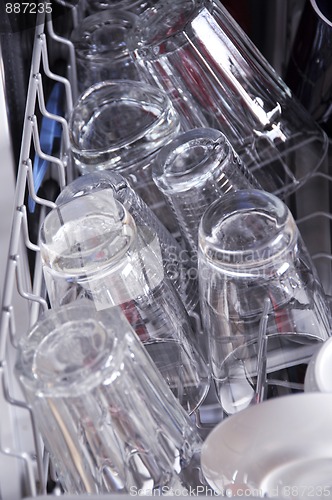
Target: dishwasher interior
43	169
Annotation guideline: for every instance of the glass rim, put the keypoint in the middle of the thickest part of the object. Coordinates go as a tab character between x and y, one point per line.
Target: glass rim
153	95
216	151
261	255
84	273
55	322
93	182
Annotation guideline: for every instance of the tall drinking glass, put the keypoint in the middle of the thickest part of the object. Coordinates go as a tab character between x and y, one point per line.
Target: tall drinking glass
107	418
176	263
263	307
120	126
216	77
192	171
101	50
91	248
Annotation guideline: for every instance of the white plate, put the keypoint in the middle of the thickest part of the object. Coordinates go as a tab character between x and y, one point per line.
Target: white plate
319	372
279	448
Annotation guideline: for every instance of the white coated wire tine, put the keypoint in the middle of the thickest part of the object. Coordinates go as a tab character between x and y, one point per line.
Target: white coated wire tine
17	218
37	287
20	289
11	329
7	326
196	322
54	76
53	472
296	386
5	388
25	228
71	50
46	462
73	10
65	4
23	404
314	215
12	326
29	467
262	354
37	199
44	156
322	255
74	14
5	314
18	455
325	176
45	112
20	191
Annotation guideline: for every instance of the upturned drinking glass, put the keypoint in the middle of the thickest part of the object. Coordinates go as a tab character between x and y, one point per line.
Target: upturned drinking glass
100	48
175	259
107	418
121	126
192	171
263	307
216	77
92	249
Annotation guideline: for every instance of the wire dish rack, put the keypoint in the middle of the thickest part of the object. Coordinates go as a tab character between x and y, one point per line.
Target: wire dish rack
22	457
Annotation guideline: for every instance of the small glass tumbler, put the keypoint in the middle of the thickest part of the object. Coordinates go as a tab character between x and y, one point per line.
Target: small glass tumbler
101	50
263	307
175	261
216	77
91	248
108	420
120	126
194	170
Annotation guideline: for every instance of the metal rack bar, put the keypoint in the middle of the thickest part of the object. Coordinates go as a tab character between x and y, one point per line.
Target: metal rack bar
20	187
32	477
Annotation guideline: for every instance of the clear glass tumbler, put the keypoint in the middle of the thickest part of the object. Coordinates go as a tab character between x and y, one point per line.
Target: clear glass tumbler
216	77
192	171
101	50
91	248
175	259
263	307
106	416
120	126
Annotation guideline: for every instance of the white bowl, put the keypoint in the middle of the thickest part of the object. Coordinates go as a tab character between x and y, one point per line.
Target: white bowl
279	448
318	376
